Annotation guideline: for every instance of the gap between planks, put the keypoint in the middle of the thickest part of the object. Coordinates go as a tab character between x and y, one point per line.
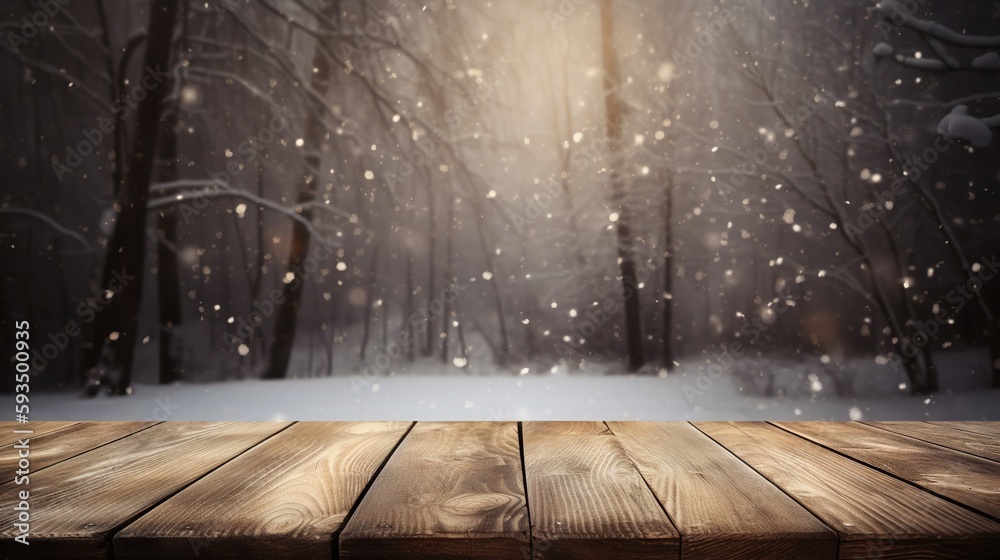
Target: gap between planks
870	510
972	443
973	466
719	504
114	532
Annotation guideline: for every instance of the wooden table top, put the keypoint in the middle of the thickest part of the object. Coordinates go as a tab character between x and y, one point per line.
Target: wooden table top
544	490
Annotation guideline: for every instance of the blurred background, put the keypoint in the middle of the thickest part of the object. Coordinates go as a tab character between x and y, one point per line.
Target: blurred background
797	199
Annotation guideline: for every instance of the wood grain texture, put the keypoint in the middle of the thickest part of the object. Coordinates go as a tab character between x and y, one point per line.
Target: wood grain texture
987	447
958	476
722	507
587	499
51	447
78	503
991	429
876	515
285	498
8	438
450	490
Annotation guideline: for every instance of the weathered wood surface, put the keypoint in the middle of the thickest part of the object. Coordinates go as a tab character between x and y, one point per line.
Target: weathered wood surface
542	490
875	515
963	478
77	504
587	499
981	428
68	441
981	445
285	498
722	507
451	490
8	437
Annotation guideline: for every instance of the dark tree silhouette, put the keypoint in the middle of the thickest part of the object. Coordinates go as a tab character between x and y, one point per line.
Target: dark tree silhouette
112	347
288	311
613	122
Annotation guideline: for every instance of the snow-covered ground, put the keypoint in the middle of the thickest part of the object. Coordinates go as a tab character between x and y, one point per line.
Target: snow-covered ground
686	394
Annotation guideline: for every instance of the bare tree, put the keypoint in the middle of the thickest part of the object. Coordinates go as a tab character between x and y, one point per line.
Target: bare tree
817	141
958	123
613	121
112	348
287	317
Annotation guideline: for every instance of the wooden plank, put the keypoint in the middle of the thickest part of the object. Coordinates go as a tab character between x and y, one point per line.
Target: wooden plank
963	478
722	507
78	503
285	498
875	514
9	438
74	438
587	498
983	446
991	429
451	490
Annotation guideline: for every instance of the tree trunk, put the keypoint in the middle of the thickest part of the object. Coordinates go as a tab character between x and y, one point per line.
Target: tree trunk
893	302
115	328
431	264
169	298
369	302
448	273
114	86
668	269
407	315
504	354
383	315
920	367
331	343
564	144
613	122
993	340
930	203
288	312
460	330
168	271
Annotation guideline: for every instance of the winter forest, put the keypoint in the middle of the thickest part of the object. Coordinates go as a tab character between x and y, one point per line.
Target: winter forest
781	197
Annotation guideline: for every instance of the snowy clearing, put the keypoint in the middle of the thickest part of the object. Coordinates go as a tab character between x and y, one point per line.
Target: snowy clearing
554	395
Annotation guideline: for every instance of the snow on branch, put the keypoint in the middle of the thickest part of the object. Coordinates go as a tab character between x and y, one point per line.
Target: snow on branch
959	124
48	221
210	189
895	11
